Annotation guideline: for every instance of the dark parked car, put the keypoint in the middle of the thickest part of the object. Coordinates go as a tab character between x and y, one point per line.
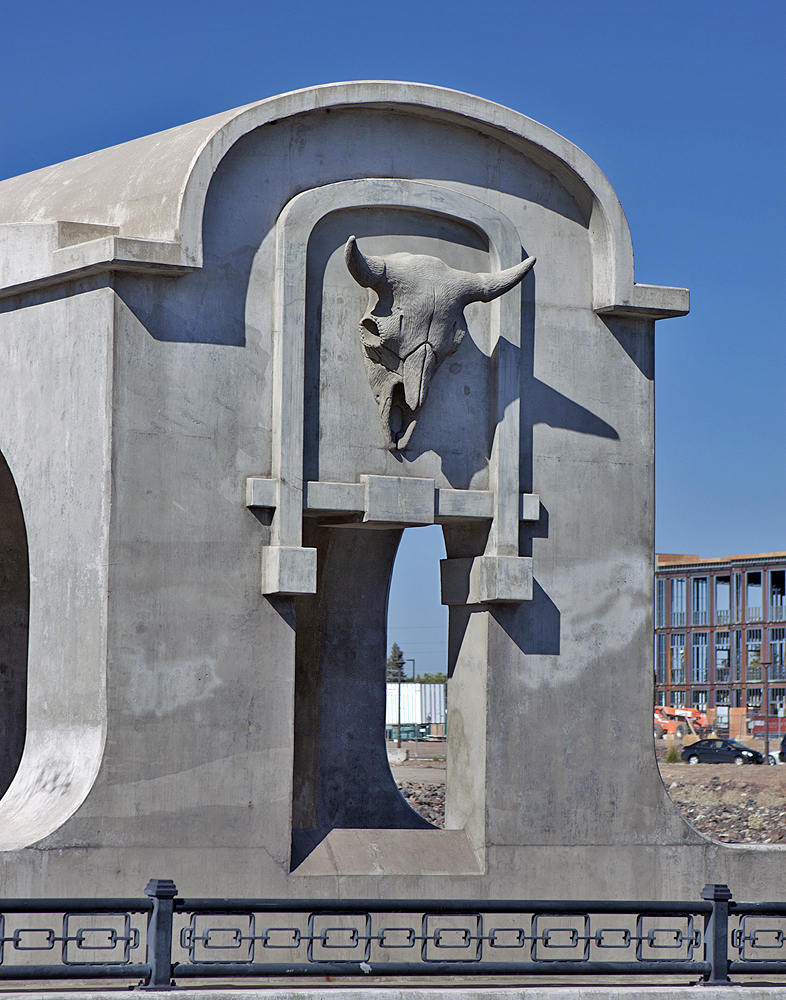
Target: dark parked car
721	752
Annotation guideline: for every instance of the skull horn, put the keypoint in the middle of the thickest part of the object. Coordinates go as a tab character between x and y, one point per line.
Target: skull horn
484	287
367	271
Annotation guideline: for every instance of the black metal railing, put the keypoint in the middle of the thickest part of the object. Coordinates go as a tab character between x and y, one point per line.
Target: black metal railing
708	939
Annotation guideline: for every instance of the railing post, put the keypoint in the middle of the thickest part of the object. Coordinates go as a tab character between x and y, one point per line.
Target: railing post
159	933
716	933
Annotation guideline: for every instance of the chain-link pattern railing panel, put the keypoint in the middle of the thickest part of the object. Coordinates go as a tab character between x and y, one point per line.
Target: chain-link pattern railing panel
164	938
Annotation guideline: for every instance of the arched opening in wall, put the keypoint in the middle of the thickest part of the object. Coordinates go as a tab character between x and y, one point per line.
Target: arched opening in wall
14	626
342	778
416	673
712	718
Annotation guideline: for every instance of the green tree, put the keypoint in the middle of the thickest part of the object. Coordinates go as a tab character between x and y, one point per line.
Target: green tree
439	678
395	664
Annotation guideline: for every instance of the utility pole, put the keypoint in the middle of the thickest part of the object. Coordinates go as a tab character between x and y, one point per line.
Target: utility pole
766	667
416	725
398	740
398	732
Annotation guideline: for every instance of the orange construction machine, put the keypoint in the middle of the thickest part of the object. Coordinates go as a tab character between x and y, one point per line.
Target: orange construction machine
680	722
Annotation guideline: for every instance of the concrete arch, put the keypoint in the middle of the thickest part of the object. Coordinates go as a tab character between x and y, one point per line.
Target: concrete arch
153	189
64	492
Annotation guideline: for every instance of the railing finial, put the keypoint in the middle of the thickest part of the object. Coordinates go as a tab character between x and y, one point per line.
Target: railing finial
159	933
716	932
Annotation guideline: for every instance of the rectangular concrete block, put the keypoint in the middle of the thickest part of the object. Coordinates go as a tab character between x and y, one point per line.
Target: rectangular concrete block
288	570
395	500
261	492
504	579
464	504
486	580
347	497
529	509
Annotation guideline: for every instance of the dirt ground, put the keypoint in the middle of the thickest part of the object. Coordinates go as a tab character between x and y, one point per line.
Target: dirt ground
736	805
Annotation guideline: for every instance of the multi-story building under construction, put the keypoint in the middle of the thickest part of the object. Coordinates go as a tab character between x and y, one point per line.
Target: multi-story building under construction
720	635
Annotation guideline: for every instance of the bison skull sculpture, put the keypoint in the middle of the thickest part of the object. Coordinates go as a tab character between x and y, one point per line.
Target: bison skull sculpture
416	322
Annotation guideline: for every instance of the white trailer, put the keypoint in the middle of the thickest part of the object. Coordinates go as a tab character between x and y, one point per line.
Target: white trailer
415	703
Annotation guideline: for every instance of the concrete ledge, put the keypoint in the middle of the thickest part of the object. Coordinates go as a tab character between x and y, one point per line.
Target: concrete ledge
392	852
651	302
347	498
37	256
398	500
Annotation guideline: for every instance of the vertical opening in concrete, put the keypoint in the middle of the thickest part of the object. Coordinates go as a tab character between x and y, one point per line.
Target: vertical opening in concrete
341	775
14	626
417	625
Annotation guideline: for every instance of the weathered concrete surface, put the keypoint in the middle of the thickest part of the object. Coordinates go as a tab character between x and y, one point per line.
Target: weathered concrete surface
181	722
56	357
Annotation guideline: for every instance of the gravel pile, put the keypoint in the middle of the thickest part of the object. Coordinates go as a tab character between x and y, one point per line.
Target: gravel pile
426	799
730	811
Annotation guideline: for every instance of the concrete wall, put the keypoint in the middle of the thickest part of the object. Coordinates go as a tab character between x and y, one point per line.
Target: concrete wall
234	741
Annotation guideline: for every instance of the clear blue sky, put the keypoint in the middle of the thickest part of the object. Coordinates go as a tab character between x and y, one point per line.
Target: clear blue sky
681	105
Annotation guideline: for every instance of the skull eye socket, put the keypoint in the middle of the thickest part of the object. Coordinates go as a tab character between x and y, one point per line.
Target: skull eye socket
370	324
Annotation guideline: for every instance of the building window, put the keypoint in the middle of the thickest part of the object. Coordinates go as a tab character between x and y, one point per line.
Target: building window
754	698
722	658
722	697
778	701
699	667
753	642
736	656
678	601
700	700
660	698
722	600
738	699
662	659
678	699
777	595
753	597
736	598
661	605
699	601
677	658
778	654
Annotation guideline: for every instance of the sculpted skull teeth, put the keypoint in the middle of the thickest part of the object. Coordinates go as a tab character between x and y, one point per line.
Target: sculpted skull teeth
417	322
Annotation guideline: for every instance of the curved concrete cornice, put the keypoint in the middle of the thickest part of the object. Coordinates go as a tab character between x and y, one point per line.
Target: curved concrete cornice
152	190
